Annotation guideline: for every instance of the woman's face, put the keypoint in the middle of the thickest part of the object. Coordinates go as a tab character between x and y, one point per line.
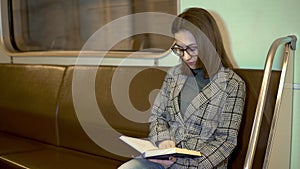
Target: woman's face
186	45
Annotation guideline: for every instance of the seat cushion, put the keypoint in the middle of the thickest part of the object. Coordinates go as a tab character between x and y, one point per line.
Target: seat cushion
10	144
57	158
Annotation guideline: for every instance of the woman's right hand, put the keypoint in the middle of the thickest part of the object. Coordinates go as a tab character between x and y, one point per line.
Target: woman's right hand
166	144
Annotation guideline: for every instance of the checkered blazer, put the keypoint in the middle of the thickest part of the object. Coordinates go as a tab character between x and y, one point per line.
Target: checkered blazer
210	123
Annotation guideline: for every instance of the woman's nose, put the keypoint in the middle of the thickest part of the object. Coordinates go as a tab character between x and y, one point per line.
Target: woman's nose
186	56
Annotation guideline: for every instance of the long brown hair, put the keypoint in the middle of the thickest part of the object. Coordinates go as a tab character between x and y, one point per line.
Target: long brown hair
198	21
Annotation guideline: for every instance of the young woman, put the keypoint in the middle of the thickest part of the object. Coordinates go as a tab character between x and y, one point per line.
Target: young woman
201	102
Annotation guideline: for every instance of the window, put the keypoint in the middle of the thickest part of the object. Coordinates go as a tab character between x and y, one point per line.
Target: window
66	25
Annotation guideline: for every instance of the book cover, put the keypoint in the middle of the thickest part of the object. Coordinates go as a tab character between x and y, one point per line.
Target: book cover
148	150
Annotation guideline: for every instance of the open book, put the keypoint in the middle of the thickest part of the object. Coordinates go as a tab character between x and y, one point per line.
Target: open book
148	150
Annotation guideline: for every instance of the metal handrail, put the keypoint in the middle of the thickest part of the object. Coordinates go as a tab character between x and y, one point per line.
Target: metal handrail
282	82
263	95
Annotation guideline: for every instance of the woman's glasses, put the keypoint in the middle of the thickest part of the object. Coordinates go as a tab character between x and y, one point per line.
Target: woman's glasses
192	50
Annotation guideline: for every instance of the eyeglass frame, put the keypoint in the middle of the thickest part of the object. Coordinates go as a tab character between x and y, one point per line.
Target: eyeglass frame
187	49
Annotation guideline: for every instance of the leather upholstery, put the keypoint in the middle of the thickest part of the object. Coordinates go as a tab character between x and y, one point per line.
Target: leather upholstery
69	127
37	107
28	100
253	79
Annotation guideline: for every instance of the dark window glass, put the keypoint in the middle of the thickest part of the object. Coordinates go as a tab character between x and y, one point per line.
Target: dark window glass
47	25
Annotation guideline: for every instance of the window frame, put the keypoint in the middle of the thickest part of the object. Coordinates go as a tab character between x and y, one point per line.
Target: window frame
10	48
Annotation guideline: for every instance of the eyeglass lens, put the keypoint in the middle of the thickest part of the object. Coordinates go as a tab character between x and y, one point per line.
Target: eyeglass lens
178	50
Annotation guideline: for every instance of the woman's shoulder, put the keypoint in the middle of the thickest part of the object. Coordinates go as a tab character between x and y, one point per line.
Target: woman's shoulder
233	76
175	70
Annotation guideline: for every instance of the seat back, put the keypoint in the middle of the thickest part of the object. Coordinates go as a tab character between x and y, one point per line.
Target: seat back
116	87
28	100
118	90
38	102
253	79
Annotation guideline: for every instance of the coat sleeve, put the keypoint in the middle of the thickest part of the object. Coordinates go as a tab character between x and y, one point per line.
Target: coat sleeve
217	150
159	127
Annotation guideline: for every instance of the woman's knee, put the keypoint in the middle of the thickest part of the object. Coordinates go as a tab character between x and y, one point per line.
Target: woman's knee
139	163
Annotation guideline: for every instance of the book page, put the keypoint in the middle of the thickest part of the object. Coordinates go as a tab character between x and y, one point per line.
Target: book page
148	150
140	145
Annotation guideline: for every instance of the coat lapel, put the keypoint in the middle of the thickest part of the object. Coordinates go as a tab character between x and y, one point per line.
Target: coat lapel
175	97
207	94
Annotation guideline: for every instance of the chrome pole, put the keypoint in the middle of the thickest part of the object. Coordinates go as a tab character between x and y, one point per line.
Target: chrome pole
262	97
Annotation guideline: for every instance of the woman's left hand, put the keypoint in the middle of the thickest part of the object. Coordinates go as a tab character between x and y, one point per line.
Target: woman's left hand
165	163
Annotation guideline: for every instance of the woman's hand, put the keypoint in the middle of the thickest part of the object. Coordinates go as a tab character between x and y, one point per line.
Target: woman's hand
166	144
165	163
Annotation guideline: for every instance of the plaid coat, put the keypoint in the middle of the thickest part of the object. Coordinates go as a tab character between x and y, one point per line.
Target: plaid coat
210	123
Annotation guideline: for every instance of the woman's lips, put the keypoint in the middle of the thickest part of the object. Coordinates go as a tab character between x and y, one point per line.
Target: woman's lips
191	63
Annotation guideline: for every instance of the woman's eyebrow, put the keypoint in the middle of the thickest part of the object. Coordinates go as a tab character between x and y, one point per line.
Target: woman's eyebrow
193	44
190	45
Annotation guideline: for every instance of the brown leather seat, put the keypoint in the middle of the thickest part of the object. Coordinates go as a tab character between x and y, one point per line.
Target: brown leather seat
40	128
28	100
253	79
